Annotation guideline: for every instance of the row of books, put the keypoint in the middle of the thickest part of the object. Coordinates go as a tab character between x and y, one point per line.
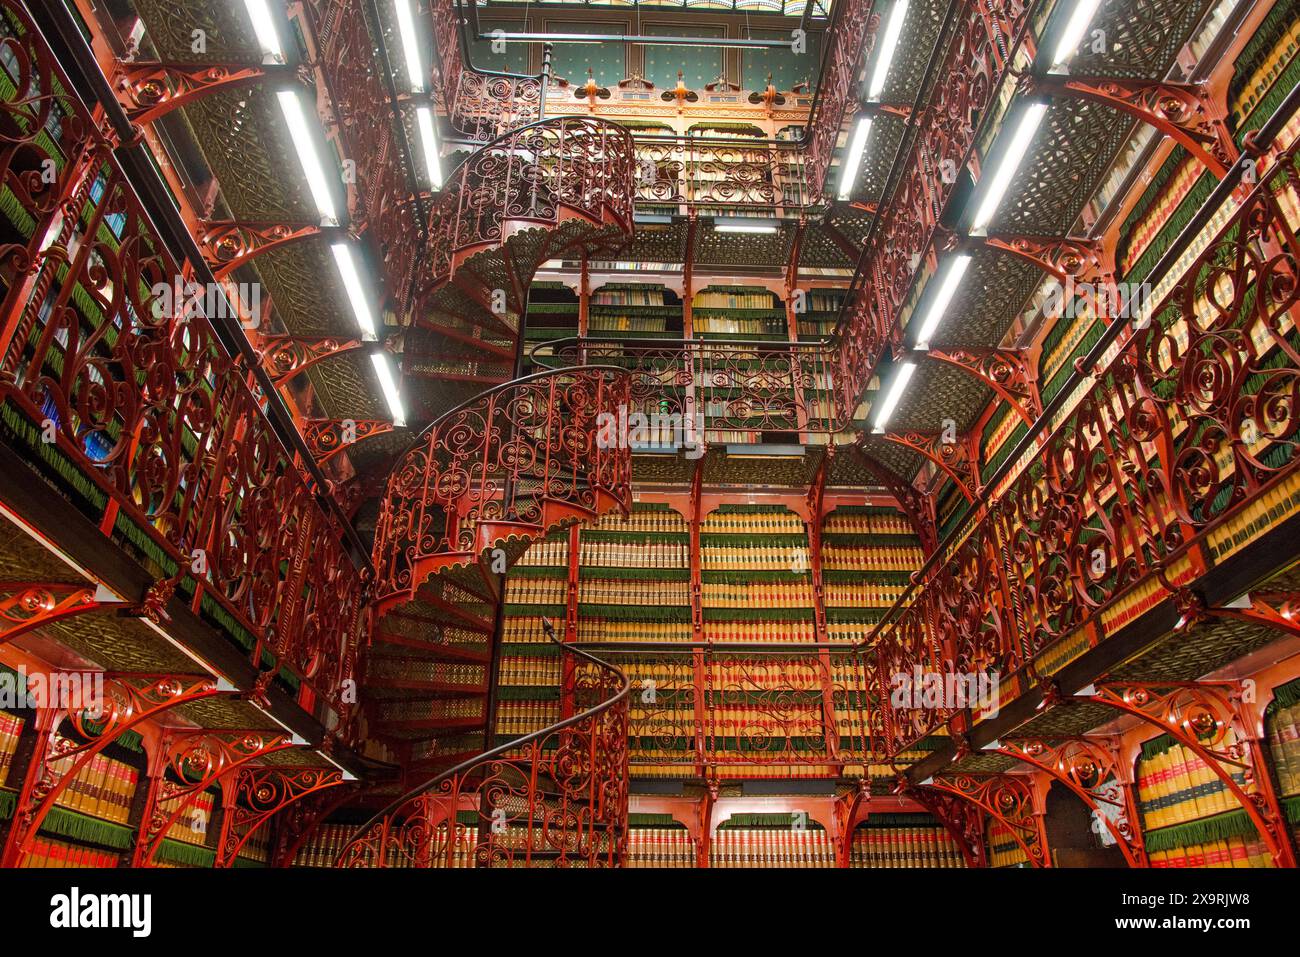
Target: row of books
194	822
634	591
1003	849
642	519
524	629
771	847
11	727
553	552
536	591
523	670
524	717
757	595
606	323
647	554
660	847
1175	786
51	853
322	848
1268	70
758	523
103	788
872	558
1238	852
1284	745
849	632
1162	208
904	847
600	629
759	632
622	295
865	595
735	298
846	521
439	709
717	325
756	557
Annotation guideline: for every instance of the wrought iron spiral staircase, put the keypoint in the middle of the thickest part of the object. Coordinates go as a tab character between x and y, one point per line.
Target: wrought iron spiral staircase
553	798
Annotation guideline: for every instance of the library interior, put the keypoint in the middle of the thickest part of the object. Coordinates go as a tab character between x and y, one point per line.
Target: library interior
649	434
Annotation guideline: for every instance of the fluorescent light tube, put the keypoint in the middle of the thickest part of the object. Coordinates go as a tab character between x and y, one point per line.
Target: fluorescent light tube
264	30
429	143
742	224
896	390
939	304
308	157
888	45
356	294
1074	30
995	186
410	44
388	382
853	157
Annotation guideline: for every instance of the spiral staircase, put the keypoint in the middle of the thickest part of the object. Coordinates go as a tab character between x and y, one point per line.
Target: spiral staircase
507	463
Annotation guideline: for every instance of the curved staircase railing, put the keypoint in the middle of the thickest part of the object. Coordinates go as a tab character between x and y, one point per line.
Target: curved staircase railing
557	187
553	798
498	471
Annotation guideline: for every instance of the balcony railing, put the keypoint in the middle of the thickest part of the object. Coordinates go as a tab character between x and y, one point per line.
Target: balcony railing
730	390
1183	436
119	389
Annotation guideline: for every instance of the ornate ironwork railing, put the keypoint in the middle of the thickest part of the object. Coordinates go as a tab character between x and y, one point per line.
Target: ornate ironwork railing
117	387
722	388
481	104
707	174
849	39
553	798
547	174
1192	421
510	463
710	707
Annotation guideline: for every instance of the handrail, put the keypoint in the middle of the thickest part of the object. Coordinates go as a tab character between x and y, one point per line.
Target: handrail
602	814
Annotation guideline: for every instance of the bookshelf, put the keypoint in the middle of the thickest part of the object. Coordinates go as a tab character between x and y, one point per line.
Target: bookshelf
903	840
770	840
1189	817
1003	848
1282	726
635	310
868	555
659	840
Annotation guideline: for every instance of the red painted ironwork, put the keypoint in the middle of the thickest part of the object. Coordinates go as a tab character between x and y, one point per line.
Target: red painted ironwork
191	763
848	40
128	701
327	438
1007	798
1191	421
758	387
553	798
513	462
141	400
1011	373
150	90
699	173
260	793
28	606
286	356
228	245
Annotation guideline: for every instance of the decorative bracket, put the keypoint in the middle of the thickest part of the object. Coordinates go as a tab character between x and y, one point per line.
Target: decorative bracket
31	605
1184	111
1067	257
264	792
955	459
1008	372
149	90
286	356
227	244
326	438
1006	798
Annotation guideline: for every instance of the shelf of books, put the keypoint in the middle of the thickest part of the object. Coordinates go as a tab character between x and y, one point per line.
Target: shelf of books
552	312
765	712
771	840
327	840
531	668
634	588
868	556
1189	817
635	310
820	314
1282	723
1003	850
903	840
658	840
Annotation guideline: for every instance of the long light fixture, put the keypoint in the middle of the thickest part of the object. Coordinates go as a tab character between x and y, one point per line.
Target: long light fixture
995	186
429	143
388	382
305	145
410	44
1074	30
853	157
895	394
360	302
264	29
744	224
888	46
939	304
